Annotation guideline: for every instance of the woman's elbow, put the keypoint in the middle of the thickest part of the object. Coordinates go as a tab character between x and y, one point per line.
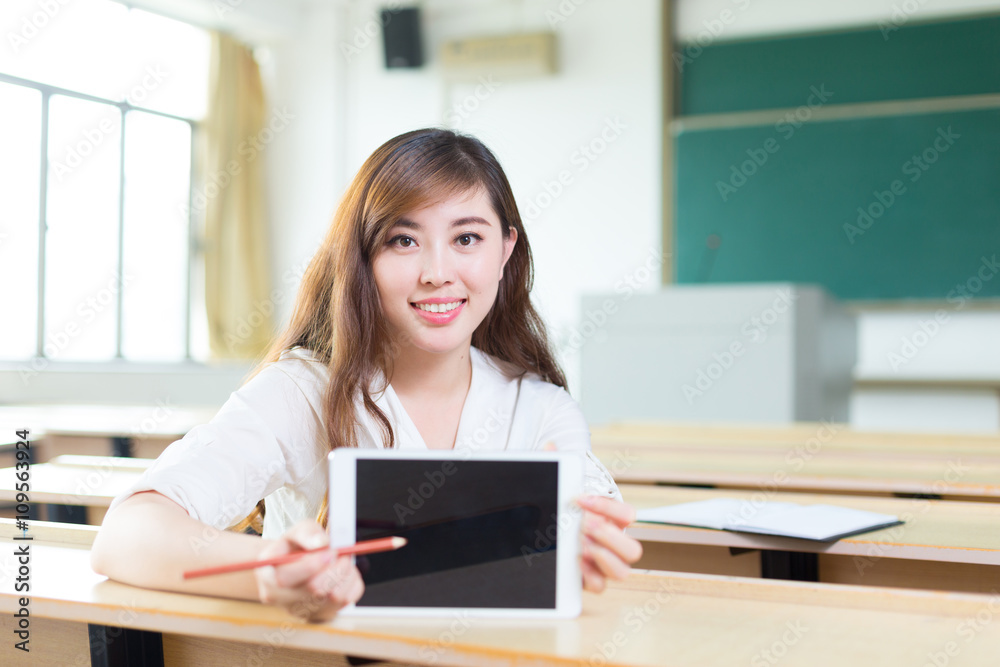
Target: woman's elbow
121	533
103	551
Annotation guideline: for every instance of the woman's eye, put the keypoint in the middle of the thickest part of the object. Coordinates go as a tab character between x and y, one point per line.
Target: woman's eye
402	242
469	239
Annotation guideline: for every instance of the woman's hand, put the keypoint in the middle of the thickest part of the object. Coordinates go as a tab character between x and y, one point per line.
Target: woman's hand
315	586
607	551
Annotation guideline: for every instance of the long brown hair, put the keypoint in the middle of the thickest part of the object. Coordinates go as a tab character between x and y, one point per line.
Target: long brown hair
338	315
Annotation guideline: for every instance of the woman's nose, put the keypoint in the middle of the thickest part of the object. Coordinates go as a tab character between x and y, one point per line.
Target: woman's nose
438	267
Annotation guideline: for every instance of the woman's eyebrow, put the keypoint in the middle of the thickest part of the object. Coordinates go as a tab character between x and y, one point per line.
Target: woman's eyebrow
468	220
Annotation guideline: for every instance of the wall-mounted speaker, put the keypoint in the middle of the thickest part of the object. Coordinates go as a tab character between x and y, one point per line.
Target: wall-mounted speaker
401	35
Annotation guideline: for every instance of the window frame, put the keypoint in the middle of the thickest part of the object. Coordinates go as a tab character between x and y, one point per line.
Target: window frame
193	246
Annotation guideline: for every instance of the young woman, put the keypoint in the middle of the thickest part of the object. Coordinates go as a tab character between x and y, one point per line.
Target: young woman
413	329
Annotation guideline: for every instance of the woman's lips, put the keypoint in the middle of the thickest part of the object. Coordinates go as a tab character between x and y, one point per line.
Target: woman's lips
439	312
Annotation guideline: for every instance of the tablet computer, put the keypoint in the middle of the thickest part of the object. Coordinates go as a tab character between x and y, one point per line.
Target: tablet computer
487	534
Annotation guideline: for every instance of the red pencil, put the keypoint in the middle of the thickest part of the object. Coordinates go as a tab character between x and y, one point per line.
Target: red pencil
366	547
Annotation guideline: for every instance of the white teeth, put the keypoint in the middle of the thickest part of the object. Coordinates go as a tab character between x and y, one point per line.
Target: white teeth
438	307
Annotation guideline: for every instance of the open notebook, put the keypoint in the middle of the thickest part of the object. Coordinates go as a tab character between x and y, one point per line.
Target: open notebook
808	522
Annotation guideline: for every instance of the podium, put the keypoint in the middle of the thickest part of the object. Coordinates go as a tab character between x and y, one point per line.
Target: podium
746	353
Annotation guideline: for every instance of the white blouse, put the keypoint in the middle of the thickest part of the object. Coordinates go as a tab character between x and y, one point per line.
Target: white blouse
268	440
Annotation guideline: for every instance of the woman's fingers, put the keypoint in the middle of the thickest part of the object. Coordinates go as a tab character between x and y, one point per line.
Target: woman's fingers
607	551
307	534
336	582
300	572
606	561
611	537
593	580
316	585
621	514
319	598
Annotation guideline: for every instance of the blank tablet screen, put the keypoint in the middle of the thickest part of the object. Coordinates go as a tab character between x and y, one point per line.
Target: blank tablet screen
480	533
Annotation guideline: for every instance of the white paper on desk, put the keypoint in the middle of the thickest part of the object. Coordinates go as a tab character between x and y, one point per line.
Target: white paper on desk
718	513
810	522
818	522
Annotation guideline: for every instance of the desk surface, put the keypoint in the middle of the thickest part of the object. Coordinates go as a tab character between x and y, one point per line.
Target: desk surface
937	531
105	420
784	467
829	434
651	619
90	481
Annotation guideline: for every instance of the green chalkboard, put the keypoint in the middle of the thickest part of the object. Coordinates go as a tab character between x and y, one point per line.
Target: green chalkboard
895	62
890	207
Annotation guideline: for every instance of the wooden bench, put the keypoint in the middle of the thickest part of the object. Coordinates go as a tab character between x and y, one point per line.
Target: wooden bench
101	430
75	489
802	459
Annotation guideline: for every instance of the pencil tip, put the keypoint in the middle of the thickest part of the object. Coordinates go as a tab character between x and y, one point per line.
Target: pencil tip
398	542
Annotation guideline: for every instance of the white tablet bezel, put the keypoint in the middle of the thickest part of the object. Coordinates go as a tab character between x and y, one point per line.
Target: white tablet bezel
341	523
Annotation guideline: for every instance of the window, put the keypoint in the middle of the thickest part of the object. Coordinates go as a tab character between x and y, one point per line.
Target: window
99	106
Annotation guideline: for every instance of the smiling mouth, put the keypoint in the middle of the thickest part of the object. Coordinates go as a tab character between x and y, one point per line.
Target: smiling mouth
438	307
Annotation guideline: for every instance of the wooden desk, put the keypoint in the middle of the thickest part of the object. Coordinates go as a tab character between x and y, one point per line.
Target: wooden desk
943	545
867	470
134	430
651	619
829	434
88	482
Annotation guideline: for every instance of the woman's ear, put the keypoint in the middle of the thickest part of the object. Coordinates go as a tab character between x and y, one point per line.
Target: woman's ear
508	248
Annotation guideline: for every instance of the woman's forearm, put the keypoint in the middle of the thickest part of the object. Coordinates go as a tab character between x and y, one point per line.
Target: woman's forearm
149	541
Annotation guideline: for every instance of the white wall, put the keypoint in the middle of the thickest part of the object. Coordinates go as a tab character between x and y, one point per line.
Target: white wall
606	221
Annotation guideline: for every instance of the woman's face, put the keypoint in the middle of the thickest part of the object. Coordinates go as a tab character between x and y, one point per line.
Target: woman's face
438	273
